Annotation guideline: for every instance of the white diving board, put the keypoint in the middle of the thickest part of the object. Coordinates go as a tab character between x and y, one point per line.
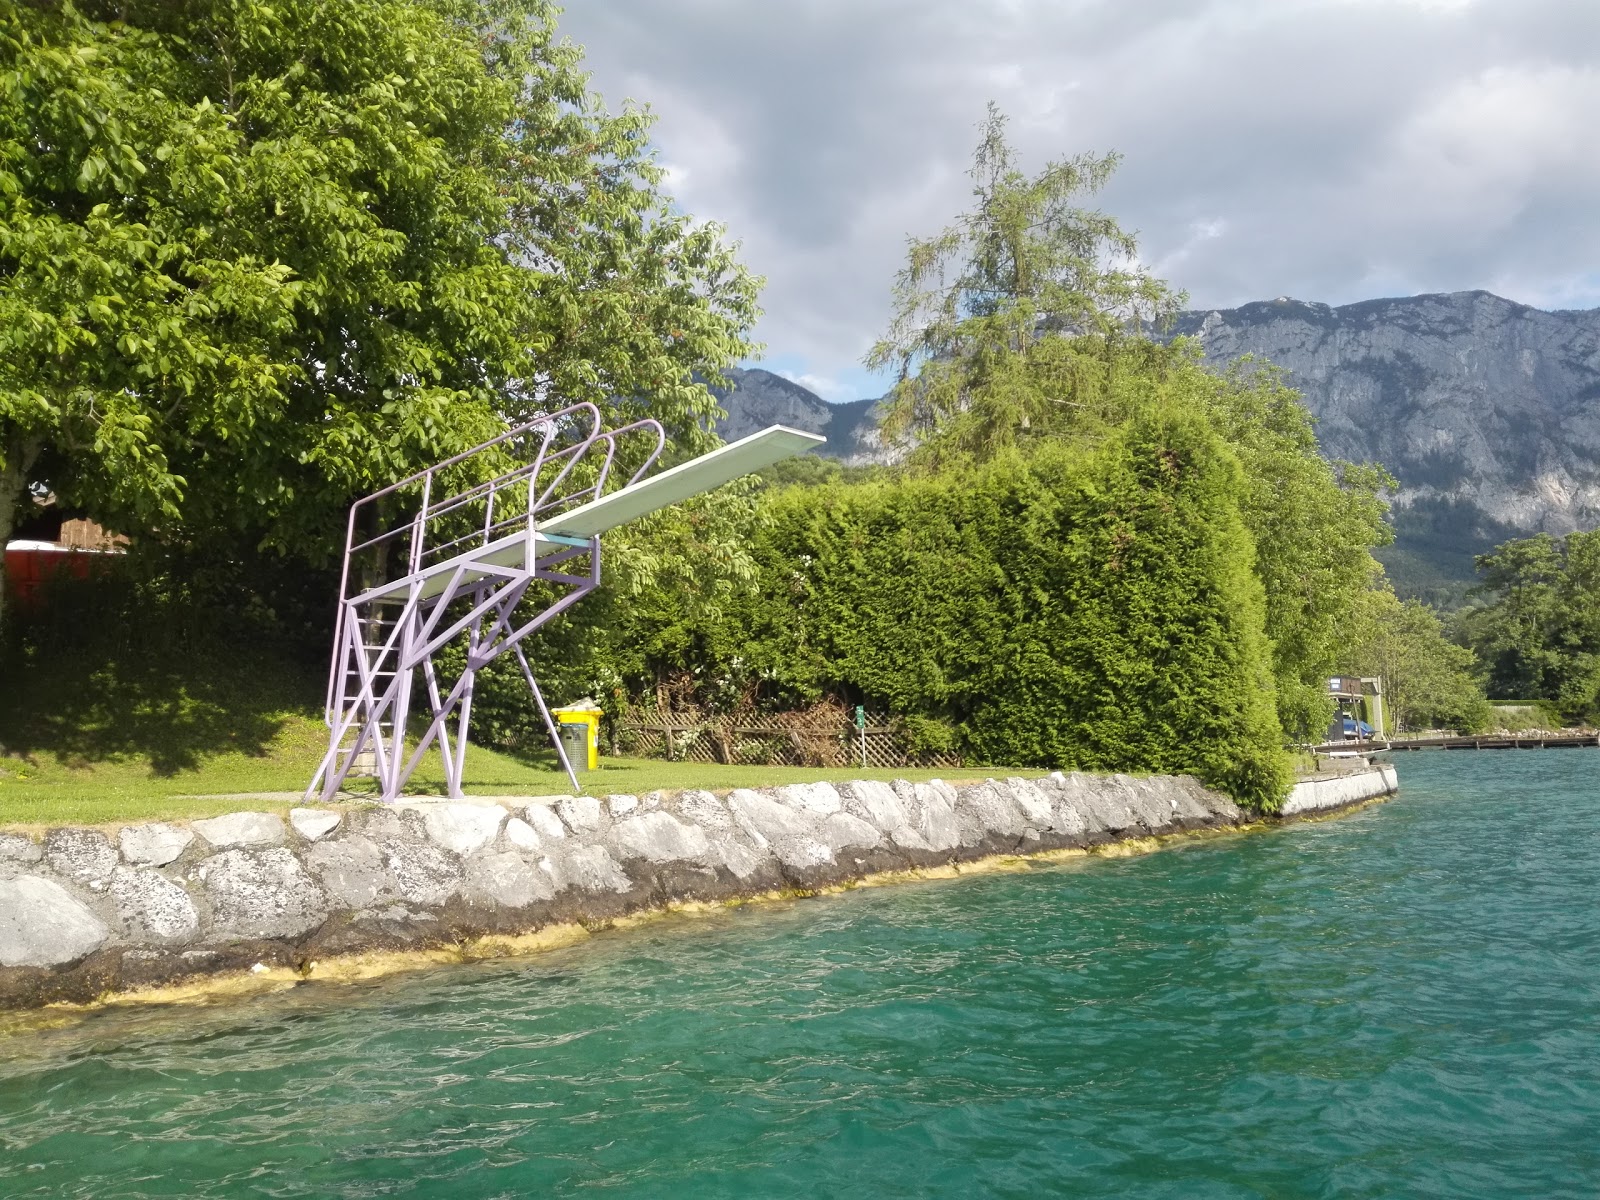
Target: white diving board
680	483
577	525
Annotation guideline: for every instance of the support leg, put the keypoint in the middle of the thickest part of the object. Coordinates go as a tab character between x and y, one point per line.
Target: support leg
549	722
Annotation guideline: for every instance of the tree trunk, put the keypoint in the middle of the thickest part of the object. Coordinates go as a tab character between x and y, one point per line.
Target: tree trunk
21	452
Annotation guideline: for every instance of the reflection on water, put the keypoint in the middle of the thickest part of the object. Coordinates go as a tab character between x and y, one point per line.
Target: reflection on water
1402	1002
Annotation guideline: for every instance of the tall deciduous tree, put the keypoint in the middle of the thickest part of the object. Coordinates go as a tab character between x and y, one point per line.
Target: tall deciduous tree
1427	680
1537	629
257	258
1007	323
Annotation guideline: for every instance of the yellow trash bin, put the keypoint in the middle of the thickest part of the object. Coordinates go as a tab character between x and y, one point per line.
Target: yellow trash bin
584	712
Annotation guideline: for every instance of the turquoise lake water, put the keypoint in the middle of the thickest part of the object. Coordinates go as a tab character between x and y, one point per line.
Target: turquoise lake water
1401	1002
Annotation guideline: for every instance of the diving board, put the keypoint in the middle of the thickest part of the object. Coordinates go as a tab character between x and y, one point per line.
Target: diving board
456	553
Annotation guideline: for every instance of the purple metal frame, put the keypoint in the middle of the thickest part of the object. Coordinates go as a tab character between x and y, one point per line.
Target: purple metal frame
391	628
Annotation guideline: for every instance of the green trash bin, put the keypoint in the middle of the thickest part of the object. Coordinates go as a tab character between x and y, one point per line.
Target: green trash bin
575	741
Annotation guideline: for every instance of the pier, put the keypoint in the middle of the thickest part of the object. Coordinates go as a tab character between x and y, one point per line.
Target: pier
1494	741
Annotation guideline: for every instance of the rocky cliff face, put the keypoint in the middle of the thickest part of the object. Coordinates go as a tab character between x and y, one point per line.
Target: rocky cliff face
759	398
1486	411
1464	397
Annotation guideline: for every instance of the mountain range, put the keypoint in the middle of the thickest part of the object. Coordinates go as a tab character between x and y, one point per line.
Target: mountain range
1487	413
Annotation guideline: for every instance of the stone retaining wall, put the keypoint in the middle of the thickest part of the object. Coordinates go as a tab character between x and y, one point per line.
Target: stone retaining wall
1341	790
83	913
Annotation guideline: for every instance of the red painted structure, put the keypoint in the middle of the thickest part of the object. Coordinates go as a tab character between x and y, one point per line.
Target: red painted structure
31	565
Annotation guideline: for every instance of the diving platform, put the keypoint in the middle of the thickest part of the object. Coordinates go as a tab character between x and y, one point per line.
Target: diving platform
474	554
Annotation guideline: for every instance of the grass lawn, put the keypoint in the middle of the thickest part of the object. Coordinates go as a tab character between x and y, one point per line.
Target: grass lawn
43	790
112	730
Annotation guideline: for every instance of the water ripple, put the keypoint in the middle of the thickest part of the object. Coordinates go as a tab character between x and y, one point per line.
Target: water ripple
1405	1001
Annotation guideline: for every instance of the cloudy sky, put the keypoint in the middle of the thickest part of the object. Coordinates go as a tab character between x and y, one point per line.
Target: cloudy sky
1331	150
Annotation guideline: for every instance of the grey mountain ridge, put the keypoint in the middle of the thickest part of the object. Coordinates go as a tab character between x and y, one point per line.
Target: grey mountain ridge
1486	411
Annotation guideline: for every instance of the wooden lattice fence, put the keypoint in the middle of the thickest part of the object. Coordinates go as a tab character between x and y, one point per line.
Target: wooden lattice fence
824	737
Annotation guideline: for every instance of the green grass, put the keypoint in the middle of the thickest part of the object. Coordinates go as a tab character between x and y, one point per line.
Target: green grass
124	706
44	791
118	744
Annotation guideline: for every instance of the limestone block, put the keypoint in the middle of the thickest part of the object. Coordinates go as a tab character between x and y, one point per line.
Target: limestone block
820	798
462	828
1144	800
1035	805
241	829
43	925
764	819
314	824
874	802
1190	796
991	810
18	849
582	814
423	873
81	854
705	810
789	833
933	812
261	894
151	908
352	872
841	831
522	835
544	821
503	879
153	845
592	869
621	805
740	857
659	837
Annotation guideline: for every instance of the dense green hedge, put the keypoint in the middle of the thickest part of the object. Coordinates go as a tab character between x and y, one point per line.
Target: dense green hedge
1087	608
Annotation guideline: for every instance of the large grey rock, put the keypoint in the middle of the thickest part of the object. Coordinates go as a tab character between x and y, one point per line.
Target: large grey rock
352	871
932	809
241	829
422	873
582	814
1035	805
1191	797
659	837
985	810
621	805
820	798
543	820
153	845
705	810
842	831
462	828
14	848
875	802
503	879
792	836
83	855
592	869
43	925
151	908
314	824
261	894
523	836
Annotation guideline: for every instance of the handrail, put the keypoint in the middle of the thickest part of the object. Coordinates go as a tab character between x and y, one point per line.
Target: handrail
582	419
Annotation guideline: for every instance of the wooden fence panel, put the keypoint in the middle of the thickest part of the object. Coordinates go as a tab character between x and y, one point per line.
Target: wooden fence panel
817	739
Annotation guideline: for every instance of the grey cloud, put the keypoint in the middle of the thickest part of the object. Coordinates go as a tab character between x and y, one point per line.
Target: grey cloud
1329	149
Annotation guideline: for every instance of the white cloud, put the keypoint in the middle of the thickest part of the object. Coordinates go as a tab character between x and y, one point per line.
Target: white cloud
1328	149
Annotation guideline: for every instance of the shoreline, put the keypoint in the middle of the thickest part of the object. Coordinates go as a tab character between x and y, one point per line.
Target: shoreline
447	883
